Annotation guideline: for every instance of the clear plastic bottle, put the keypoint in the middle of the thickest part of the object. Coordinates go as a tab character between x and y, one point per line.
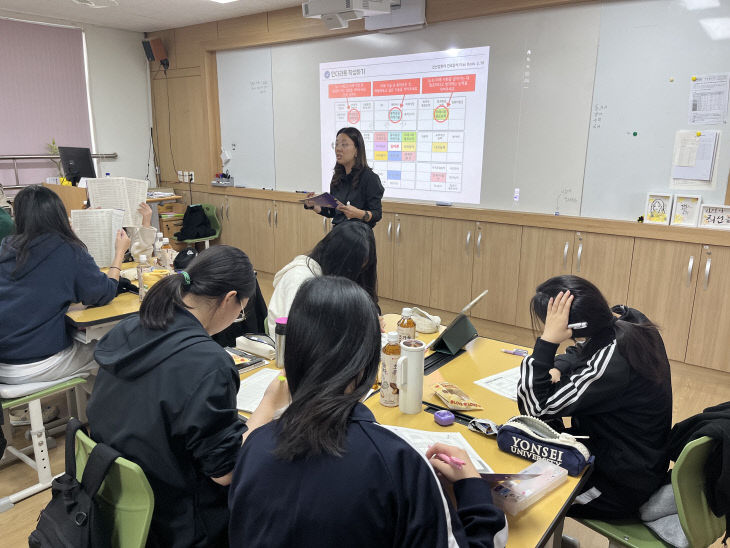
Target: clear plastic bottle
406	326
389	360
165	254
157	246
143	266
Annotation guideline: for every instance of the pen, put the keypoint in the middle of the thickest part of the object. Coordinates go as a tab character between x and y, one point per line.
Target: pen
453	461
516	352
578	325
281	378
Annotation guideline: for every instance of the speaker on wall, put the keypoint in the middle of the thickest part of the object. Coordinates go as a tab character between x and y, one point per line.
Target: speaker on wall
154	49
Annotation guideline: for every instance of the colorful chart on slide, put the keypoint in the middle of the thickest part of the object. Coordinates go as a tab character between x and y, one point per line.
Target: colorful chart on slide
421	116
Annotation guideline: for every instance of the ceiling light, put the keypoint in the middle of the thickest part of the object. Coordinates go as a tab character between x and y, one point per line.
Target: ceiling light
717	28
693	5
97	3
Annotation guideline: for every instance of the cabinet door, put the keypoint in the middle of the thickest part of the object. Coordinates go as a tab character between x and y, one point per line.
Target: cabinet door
412	259
710	328
288	219
604	260
237	223
384	237
261	232
662	286
313	228
545	253
496	268
451	264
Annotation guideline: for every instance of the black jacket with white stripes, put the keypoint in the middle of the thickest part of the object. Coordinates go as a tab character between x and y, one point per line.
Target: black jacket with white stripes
626	416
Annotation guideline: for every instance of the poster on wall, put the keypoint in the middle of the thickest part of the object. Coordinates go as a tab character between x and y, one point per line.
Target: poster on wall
421	116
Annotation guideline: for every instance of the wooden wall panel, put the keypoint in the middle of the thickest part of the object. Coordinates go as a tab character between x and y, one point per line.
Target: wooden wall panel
244	28
439	10
188	41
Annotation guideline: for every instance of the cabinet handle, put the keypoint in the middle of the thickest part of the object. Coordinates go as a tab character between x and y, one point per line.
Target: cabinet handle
565	254
390	229
397	233
276	217
324	225
707	271
228	211
268	217
580	252
468	241
479	244
690	265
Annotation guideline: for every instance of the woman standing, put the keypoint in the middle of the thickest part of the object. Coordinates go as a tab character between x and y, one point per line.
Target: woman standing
354	185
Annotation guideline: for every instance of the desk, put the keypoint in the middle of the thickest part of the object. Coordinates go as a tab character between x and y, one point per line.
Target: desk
483	357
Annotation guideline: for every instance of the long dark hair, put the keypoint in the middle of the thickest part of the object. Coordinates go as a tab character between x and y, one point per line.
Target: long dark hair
213	273
349	251
331	359
361	160
637	338
38	211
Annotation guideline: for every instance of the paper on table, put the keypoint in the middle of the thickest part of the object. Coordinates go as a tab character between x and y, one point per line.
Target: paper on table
421	440
504	383
97	228
119	193
252	389
708	98
705	146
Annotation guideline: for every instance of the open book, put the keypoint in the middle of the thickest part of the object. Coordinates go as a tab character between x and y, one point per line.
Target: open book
119	193
97	228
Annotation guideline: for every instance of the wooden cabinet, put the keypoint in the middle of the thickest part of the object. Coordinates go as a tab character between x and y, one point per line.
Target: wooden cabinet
710	327
288	219
384	237
545	253
496	268
604	260
662	286
313	228
412	245
451	264
260	234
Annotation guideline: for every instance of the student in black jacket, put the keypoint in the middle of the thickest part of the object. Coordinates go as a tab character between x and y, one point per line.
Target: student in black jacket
356	187
615	386
165	396
325	473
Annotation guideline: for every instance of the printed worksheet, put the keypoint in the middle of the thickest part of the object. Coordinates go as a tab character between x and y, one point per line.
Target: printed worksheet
252	389
504	383
97	228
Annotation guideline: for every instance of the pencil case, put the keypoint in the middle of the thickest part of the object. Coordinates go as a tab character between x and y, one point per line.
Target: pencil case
532	439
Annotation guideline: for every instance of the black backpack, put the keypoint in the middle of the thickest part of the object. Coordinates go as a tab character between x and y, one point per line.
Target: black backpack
195	224
73	519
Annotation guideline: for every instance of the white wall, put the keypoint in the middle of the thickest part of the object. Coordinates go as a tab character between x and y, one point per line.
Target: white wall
120	100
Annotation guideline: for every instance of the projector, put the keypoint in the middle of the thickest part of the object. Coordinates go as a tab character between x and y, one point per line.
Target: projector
337	14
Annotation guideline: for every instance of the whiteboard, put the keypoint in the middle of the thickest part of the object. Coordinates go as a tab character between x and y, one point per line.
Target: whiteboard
649	50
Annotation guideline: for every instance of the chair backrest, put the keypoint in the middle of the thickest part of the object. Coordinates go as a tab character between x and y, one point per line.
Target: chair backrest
125	495
212	214
701	526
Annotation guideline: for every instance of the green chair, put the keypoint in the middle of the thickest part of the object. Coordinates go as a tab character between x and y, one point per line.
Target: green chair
700	525
40	443
125	496
215	224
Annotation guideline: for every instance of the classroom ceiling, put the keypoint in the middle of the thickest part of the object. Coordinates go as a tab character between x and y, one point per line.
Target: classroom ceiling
139	15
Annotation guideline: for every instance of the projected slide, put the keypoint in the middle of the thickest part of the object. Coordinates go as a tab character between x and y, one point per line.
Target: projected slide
421	116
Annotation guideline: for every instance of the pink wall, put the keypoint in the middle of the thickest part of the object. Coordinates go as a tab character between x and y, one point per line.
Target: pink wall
42	96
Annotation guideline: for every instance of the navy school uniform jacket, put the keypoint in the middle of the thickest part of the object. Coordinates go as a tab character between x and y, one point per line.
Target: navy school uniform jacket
34	300
380	492
166	399
626	417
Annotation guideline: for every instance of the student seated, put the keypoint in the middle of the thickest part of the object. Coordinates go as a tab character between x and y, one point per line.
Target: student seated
7	226
615	386
143	237
348	250
44	268
165	396
325	473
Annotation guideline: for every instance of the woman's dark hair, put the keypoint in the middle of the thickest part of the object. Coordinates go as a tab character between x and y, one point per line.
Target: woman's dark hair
331	359
213	273
349	251
38	211
637	338
361	160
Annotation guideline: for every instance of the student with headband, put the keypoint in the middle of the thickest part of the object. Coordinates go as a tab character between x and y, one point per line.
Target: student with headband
165	396
615	386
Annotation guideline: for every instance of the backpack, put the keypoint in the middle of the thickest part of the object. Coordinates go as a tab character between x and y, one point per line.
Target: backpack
195	224
73	518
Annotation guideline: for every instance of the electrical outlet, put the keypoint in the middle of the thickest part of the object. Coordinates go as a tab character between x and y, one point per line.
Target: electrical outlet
186	174
180	177
192	177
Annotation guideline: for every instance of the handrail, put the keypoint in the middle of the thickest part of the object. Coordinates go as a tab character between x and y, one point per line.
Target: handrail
112	156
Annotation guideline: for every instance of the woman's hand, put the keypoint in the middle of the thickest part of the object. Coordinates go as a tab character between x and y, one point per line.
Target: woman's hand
121	245
451	472
146	212
382	324
556	321
351	212
309	203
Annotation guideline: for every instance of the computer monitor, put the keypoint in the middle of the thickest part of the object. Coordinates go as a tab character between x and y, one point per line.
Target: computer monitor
76	163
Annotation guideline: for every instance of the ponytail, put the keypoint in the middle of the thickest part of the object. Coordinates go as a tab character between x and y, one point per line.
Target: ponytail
212	274
639	341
